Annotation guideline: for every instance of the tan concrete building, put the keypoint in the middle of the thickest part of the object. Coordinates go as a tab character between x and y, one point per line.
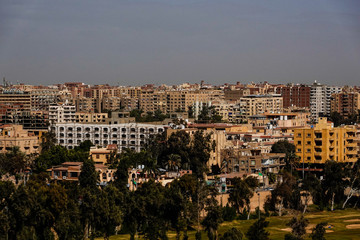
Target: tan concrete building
14	135
81	117
260	104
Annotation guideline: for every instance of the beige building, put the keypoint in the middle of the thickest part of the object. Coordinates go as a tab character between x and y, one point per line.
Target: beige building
62	113
260	104
81	117
14	135
102	155
281	120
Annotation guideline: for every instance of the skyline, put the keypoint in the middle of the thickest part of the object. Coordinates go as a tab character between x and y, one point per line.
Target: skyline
135	43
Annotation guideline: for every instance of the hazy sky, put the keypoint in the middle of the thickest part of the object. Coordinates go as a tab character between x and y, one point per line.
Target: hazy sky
172	41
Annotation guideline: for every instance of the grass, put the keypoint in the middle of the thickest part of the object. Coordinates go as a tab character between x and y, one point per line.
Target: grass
337	219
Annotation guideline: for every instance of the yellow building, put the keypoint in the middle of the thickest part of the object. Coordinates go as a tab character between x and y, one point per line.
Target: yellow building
324	142
102	155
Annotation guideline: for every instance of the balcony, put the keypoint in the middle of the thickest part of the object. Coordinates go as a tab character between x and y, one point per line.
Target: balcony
318	154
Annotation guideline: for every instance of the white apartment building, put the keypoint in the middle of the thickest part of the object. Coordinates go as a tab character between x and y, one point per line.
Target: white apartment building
320	99
63	113
127	135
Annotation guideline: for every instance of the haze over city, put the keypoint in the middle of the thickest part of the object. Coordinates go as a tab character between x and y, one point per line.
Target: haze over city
138	42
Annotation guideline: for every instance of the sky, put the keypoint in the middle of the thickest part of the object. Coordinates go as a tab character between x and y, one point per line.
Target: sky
138	42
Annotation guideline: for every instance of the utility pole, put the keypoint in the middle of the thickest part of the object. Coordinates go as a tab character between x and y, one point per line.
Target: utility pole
303	173
259	203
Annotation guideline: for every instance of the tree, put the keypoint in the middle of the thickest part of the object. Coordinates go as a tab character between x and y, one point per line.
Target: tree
353	181
108	214
298	226
48	140
13	161
84	146
242	193
209	114
318	231
213	218
88	177
53	156
285	194
283	146
232	234
333	183
310	188
174	161
201	147
257	230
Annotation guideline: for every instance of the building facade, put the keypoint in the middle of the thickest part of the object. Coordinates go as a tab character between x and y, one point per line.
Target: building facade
324	142
127	135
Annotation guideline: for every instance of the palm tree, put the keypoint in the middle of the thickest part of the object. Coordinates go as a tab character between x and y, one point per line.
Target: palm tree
174	161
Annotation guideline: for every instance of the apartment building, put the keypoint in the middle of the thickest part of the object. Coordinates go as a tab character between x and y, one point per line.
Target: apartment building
259	104
62	113
251	160
14	102
15	135
281	120
295	95
81	117
84	104
323	142
126	135
346	103
320	99
41	99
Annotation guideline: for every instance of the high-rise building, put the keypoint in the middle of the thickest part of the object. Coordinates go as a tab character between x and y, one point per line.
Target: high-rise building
320	99
62	113
296	95
346	103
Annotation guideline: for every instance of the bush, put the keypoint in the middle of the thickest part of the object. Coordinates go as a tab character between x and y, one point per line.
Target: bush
228	213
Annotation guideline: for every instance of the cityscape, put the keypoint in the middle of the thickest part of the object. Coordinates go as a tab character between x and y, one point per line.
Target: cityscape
219	136
179	120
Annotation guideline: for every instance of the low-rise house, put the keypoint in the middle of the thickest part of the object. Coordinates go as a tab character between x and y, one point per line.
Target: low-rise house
70	171
103	155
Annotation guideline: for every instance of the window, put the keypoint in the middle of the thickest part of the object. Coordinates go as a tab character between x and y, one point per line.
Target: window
252	162
73	174
299	134
97	156
299	142
299	150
